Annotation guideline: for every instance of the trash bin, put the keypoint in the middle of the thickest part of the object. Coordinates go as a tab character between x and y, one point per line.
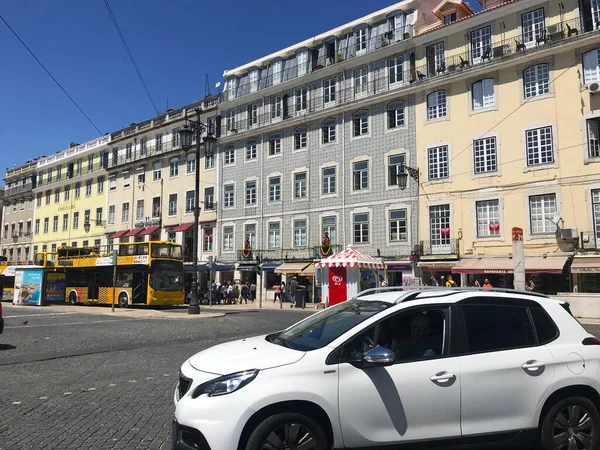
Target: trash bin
301	296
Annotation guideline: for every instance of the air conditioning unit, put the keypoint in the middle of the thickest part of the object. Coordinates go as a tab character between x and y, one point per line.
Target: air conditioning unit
568	233
594	88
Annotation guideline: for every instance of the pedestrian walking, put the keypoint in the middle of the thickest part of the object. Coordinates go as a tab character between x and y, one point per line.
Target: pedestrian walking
382	282
252	292
276	292
477	284
487	284
530	286
283	291
293	289
450	282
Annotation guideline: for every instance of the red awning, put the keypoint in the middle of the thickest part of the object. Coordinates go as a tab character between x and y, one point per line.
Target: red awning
133	232
533	264
118	234
149	230
183	227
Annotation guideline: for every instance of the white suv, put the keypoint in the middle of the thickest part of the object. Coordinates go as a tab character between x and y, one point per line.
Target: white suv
436	367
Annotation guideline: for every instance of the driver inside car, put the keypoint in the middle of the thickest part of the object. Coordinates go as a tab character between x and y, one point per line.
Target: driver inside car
422	343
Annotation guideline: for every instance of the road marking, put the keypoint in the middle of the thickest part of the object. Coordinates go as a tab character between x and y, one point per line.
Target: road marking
132	381
16	403
91	389
67	393
36	315
43	398
69	323
111	385
166	375
149	378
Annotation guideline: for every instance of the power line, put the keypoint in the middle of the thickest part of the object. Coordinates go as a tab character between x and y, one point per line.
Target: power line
137	70
50	75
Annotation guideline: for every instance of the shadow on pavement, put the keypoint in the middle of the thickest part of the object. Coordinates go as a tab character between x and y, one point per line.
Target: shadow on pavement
7	347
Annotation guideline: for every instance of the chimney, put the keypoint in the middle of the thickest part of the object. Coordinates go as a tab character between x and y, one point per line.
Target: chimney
73	144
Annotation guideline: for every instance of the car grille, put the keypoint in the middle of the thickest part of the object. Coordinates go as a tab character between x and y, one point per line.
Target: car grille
184	385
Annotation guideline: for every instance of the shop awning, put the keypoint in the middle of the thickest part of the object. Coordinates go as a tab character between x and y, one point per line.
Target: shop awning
247	267
270	267
291	267
133	232
183	227
309	271
222	267
585	264
201	267
533	264
118	234
149	230
436	265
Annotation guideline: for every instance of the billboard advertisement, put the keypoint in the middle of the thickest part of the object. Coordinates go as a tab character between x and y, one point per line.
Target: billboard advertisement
337	285
54	288
28	287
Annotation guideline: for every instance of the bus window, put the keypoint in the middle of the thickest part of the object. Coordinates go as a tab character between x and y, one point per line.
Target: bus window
51	259
166	276
38	259
166	250
141	249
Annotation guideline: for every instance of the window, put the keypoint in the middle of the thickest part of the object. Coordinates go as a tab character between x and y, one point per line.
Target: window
141	178
329	180
275	107
228	197
539	146
361	39
53	247
436	105
593	137
172	204
175	137
50	175
189	201
274	235
360	175
191	163
596	212
542	209
227	239
449	18
100	184
435	59
38	200
125	212
230	120
90	166
209	162
274	189
360	81
481	43
99	216
209	198
395	69
439	225
300	138
251	152
55	224
328	131
65	225
536	80
360	122
492	328
532	24
302	58
591	66
395	162
58	173
128	150
46	222
208	240
274	144
395	112
437	158
300	100
37	227
67	193
229	155
329	226
251	193
482	94
488	218
300	185
56	198
252	115
329	90
174	167
111	214
156	207
48	193
300	233
77	190
157	173
485	155
158	142
88	186
361	228
250	233
139	210
112	183
398	227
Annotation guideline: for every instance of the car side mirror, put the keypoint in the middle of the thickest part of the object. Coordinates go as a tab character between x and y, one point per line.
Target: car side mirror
379	356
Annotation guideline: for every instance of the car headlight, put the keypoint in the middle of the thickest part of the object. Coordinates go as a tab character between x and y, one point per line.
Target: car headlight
225	384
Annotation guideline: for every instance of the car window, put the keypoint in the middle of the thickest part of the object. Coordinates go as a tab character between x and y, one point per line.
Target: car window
492	328
545	328
414	335
319	330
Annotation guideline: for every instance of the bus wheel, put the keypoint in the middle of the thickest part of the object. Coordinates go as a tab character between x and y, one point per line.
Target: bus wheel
72	298
123	300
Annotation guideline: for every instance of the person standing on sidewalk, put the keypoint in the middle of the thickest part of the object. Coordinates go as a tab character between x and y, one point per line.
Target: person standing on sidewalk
283	291
293	288
245	292
276	292
252	292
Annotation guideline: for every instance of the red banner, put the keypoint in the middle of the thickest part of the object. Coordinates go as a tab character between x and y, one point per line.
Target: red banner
445	231
494	226
337	285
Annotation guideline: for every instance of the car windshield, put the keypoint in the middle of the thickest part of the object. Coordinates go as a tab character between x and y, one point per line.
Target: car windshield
322	328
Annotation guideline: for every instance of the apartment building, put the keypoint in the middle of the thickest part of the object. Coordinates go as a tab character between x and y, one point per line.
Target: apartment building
507	125
17	223
70	197
313	137
151	192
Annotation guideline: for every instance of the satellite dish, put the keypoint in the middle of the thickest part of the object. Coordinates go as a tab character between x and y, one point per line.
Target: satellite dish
218	85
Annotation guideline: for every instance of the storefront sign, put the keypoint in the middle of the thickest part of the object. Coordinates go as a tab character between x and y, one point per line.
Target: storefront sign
337	285
65	208
148	224
398	267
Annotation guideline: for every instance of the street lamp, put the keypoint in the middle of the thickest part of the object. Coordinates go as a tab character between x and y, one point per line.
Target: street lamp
86	226
195	128
405	171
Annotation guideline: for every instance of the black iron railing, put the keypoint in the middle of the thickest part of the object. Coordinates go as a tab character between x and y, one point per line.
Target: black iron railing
441	246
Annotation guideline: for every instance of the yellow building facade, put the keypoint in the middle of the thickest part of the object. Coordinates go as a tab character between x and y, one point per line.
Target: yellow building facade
507	136
70	197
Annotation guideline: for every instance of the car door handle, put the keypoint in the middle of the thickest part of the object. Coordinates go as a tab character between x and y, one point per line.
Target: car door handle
442	377
533	365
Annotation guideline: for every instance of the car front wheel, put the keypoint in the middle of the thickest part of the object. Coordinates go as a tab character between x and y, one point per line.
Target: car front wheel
571	424
288	431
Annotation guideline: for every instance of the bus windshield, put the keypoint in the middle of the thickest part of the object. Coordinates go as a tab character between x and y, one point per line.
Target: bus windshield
166	251
167	276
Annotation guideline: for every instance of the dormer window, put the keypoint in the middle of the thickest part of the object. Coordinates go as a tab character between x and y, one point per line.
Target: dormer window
361	40
449	18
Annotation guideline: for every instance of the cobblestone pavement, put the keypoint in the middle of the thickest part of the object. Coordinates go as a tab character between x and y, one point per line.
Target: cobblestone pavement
72	380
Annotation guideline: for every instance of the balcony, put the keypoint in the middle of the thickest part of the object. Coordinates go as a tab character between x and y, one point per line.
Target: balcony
15	190
588	241
319	254
440	247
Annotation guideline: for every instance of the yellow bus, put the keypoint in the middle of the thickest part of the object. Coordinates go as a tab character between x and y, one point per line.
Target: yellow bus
148	273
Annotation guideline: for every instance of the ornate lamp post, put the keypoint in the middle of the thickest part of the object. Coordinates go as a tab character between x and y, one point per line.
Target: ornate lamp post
191	129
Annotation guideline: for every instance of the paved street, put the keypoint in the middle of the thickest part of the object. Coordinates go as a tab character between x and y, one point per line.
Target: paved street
72	378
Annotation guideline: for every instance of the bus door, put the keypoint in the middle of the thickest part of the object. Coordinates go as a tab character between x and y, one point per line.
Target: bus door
94	283
140	287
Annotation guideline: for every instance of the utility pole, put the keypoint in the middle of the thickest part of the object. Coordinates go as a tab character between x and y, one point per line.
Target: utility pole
114	261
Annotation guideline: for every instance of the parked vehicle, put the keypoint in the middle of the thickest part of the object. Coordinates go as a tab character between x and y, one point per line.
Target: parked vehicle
415	368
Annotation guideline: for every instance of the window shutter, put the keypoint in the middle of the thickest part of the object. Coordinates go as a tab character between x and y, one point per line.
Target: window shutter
391	118
285	106
393	175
